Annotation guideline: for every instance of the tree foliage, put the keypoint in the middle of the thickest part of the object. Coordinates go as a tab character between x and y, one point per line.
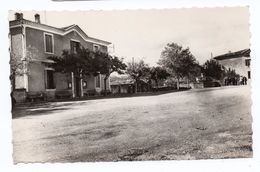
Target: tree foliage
106	65
80	63
158	73
231	73
86	62
20	65
138	71
179	62
212	69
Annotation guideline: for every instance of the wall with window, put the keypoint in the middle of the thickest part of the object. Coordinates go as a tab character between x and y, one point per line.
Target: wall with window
50	82
103	82
75	46
48	43
43	79
103	48
73	36
90	83
240	65
43	44
62	81
247	62
36	77
98	81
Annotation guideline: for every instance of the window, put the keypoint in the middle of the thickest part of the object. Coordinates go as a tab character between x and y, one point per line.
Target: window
95	48
247	62
248	74
50	79
74	46
98	81
48	40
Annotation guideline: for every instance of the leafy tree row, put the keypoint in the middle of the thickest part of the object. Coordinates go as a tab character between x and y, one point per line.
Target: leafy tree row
179	63
86	62
212	69
175	62
142	71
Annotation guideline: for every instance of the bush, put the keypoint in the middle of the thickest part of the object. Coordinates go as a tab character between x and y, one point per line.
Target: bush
163	88
105	92
212	84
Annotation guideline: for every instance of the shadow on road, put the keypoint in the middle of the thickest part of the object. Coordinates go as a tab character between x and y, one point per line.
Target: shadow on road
29	111
47	108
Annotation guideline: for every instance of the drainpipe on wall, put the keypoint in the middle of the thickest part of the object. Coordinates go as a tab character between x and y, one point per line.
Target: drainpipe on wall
25	63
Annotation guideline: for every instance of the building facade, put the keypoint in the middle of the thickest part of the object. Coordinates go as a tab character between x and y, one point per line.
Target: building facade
238	61
129	86
33	42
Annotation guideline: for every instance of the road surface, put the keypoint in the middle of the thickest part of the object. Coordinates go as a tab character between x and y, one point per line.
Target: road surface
195	124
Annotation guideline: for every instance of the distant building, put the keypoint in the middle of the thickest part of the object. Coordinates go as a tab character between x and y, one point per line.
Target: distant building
39	41
127	86
239	61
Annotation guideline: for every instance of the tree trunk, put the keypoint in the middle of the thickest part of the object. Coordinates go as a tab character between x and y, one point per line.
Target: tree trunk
105	86
188	83
13	81
178	83
157	84
136	86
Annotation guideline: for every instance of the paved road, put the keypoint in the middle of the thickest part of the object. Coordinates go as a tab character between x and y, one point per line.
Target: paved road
195	124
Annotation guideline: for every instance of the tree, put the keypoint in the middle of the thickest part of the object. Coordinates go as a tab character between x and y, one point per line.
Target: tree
137	71
231	73
179	62
20	65
16	68
80	63
194	73
158	73
231	77
211	68
86	62
106	65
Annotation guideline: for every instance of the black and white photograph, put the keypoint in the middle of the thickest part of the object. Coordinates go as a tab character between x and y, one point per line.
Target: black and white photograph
130	85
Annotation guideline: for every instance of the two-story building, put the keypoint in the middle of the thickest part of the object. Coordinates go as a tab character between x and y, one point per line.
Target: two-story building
239	61
33	42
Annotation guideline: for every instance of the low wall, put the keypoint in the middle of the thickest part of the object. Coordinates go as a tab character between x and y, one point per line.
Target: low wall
19	95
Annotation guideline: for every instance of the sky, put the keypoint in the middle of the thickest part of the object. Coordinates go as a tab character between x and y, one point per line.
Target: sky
143	34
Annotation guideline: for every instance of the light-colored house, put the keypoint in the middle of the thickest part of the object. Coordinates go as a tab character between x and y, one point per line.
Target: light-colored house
239	61
33	42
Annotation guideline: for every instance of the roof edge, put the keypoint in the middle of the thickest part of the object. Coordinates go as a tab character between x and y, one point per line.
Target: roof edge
63	30
236	54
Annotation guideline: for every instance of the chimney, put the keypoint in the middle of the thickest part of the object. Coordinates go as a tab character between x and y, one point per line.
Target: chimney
37	18
18	16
